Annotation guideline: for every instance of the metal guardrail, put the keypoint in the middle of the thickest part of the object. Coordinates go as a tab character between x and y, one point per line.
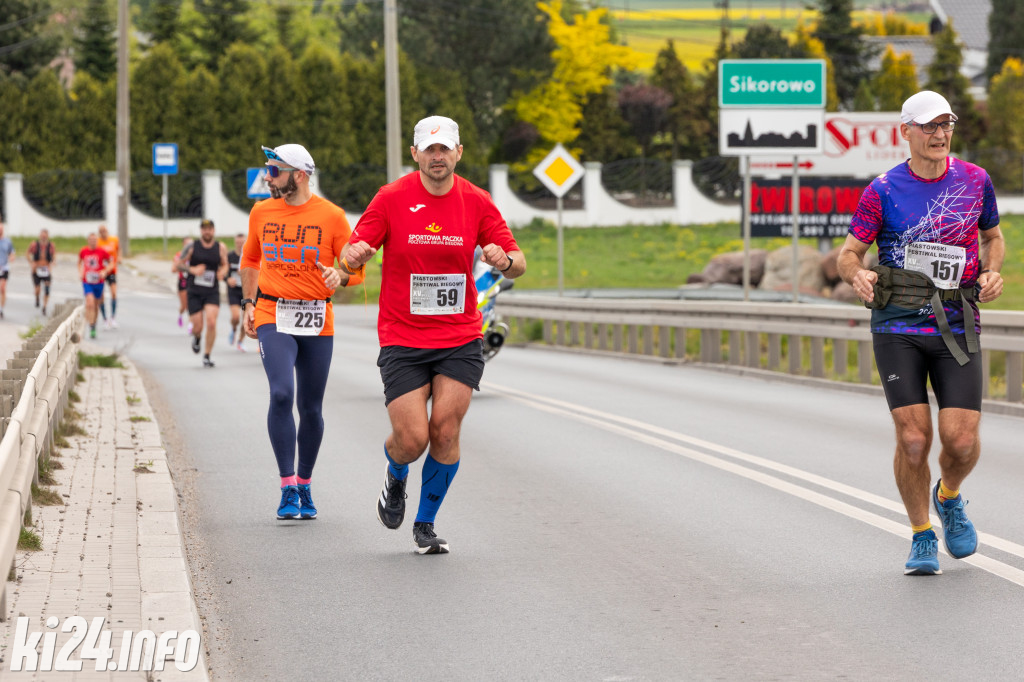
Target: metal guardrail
822	341
38	378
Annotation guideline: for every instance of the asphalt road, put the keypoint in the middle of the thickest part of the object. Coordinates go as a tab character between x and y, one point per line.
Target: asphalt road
612	520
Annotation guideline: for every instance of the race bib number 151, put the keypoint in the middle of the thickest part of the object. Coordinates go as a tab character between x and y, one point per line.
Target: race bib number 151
942	262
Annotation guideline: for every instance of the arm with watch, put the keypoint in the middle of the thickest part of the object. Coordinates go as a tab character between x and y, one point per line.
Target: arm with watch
250	283
511	264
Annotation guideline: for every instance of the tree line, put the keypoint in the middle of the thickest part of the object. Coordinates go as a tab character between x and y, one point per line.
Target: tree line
222	77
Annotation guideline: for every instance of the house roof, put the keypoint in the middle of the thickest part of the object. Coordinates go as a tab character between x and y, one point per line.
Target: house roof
920	47
970	20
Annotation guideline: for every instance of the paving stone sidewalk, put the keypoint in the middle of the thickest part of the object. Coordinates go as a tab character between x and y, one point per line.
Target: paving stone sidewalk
113	549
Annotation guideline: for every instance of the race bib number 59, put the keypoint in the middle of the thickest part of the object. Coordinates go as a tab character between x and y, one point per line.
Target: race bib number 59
437	294
942	262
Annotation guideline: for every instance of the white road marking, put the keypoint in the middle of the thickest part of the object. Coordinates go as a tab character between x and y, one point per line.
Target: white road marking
634	429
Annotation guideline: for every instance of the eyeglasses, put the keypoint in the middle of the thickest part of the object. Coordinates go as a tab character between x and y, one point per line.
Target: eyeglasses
274	171
930	128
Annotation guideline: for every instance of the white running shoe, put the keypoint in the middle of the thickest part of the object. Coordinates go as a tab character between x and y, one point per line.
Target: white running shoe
113	323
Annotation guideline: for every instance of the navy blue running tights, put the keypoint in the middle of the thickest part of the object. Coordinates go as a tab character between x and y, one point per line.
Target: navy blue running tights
297	368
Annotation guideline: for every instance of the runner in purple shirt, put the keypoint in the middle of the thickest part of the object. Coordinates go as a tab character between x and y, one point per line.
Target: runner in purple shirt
937	216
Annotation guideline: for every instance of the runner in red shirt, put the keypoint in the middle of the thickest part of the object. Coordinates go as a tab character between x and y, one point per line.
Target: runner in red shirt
93	267
429	327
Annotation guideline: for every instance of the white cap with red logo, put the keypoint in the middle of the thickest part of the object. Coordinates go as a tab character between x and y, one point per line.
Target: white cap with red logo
434	129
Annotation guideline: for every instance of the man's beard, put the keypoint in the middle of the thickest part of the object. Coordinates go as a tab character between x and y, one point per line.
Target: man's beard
289	188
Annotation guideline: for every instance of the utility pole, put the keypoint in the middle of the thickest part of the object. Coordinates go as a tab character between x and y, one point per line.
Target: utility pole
123	156
392	98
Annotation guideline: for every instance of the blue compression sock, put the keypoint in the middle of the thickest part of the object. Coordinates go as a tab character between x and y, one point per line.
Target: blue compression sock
399	471
103	309
436	479
113	307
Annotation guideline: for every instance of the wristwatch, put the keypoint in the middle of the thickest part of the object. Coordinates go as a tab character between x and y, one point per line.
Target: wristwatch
509	266
247	301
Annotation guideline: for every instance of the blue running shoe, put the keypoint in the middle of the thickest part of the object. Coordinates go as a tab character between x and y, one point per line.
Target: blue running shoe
958	532
308	509
924	555
289	507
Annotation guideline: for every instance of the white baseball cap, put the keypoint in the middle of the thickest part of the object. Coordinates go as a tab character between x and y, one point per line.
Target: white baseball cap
436	129
295	155
925	106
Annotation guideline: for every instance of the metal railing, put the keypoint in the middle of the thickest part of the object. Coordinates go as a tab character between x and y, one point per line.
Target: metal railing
33	397
821	341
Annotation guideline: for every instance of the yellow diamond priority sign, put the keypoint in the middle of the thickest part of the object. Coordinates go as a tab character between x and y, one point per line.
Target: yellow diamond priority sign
559	171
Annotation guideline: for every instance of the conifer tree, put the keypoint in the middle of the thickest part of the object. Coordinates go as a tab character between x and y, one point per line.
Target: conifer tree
96	44
944	77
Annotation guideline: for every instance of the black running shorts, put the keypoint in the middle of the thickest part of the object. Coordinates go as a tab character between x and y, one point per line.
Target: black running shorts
234	295
111	278
906	361
197	300
404	369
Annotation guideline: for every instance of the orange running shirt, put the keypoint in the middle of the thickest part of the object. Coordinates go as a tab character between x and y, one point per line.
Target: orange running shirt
285	243
111	245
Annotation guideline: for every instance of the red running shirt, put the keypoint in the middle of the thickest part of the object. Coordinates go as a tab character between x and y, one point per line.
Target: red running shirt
426	235
95	260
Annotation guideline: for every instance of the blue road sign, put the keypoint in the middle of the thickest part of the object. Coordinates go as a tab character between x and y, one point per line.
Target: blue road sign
256	183
165	158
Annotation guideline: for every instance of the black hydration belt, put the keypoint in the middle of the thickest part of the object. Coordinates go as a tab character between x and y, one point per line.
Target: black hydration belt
912	290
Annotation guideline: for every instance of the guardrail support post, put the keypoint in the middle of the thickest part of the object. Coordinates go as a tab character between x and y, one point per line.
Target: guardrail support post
864	355
665	341
839	359
795	351
986	372
753	349
735	349
617	338
774	351
1014	376
817	356
681	342
633	333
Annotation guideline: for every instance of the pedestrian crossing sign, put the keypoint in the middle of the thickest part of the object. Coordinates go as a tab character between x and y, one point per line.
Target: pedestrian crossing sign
256	183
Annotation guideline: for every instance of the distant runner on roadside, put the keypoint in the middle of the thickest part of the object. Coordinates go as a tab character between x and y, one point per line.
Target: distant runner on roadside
234	285
206	262
111	245
182	283
6	251
41	254
93	267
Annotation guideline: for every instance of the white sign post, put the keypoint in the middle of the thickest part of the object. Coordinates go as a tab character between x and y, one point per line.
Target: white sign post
770	106
559	171
165	162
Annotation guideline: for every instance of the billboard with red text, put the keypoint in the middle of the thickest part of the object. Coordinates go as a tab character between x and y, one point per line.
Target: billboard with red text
826	206
855	144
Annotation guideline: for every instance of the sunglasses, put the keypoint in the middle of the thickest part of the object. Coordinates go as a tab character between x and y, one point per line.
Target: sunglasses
274	171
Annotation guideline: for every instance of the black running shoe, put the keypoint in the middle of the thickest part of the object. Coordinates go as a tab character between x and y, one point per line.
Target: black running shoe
195	344
207	362
426	539
391	505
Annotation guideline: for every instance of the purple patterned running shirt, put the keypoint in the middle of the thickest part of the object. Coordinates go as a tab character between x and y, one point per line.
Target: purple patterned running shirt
899	208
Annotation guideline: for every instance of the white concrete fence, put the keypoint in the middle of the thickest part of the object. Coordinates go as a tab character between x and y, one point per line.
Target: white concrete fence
599	209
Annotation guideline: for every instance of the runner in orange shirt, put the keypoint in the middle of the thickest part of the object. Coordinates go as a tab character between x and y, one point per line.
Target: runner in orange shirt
288	278
111	245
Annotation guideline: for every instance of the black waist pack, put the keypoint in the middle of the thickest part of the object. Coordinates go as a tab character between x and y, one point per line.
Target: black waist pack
914	290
